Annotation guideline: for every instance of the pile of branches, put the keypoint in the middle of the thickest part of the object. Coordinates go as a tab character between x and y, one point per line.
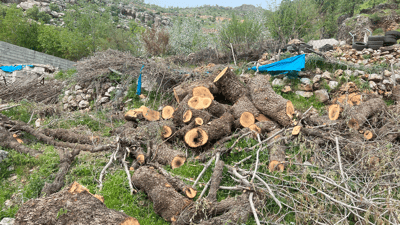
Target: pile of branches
46	91
346	166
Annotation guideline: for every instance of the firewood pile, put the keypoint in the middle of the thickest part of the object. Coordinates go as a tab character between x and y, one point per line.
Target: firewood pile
356	140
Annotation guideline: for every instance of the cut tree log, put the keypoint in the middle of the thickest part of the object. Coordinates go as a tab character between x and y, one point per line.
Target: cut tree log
71	136
78	206
166	155
369	135
66	159
168	131
247	119
198	121
203	114
177	117
215	181
135	114
181	91
167	202
217	109
334	111
217	129
197	102
139	156
230	86
244	104
296	130
268	102
202	92
177	183
167	112
262	118
8	141
187	116
151	115
277	153
396	93
152	130
360	114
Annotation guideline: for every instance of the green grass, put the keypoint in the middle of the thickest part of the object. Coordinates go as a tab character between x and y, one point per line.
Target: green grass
22	112
65	75
313	62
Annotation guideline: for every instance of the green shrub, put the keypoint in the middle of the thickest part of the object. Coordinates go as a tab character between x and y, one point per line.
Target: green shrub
54	7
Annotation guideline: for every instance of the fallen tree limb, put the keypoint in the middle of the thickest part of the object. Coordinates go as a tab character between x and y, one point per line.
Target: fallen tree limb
70	136
8	141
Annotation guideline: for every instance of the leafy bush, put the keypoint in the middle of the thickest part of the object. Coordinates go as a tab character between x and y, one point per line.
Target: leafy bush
35	14
156	41
186	36
242	34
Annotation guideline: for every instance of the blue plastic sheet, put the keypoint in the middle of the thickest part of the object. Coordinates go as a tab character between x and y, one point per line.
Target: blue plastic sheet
295	63
11	69
139	83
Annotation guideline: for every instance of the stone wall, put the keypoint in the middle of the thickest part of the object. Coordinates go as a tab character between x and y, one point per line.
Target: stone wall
12	54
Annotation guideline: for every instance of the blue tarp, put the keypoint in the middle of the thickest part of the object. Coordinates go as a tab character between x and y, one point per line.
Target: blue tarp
295	63
11	69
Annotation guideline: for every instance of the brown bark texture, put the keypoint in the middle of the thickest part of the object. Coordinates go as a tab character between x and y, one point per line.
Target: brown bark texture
244	104
215	181
167	202
66	159
152	130
177	117
203	114
230	86
166	155
360	114
217	129
217	109
73	205
70	136
8	141
184	89
267	101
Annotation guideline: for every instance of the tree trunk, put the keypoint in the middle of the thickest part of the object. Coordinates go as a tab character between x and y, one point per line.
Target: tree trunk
230	86
73	205
184	89
66	159
245	111
177	117
215	130
360	114
269	103
217	109
167	202
8	141
166	155
70	136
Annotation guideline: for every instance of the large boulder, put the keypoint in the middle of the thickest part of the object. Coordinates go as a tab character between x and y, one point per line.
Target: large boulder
319	43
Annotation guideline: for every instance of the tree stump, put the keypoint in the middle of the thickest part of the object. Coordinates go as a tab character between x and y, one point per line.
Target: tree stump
73	205
167	112
269	103
166	155
360	114
184	89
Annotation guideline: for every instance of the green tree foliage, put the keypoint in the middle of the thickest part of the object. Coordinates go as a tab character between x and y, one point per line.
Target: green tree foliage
292	19
35	14
243	34
16	29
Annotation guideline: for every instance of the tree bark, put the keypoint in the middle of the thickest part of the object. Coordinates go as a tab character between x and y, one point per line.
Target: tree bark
184	89
73	205
8	141
359	114
167	202
217	129
70	136
269	103
230	86
166	155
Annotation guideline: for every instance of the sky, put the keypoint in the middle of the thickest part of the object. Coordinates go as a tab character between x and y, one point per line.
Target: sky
189	3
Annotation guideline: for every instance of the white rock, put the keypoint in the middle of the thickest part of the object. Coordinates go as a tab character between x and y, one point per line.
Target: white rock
381	87
83	104
7	221
387	83
327	75
110	89
318	71
348	72
360	72
375	77
67	92
397	78
333	84
8	203
316	78
372	85
387	73
3	155
78	98
90	91
70	98
78	92
322	95
304	94
305	80
77	87
73	103
65	99
103	100
65	106
277	82
39	122
38	69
